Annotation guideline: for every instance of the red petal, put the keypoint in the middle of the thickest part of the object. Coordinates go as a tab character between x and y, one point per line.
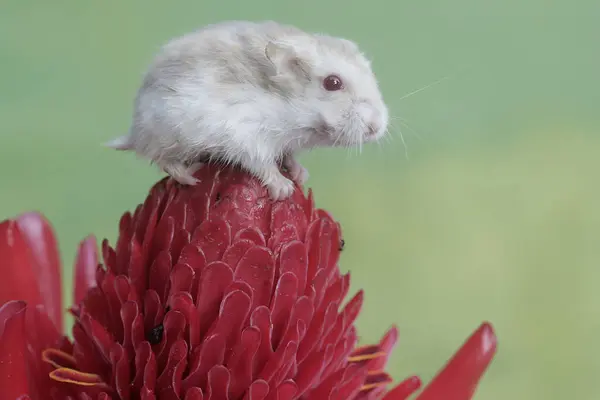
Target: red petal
386	345
282	303
182	277
121	373
404	389
241	361
23	264
287	390
168	384
212	352
213	282
234	312
218	383
459	378
213	237
13	360
253	234
143	354
236	251
351	387
261	319
294	259
257	391
40	334
86	263
257	269
39	236
174	326
194	394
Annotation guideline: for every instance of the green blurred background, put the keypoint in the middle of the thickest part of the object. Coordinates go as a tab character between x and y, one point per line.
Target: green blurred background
490	212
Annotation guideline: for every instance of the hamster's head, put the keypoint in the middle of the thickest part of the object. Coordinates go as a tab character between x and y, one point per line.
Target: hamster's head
332	90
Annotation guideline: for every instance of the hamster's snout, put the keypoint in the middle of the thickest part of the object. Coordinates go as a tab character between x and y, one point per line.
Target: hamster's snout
373	120
372	129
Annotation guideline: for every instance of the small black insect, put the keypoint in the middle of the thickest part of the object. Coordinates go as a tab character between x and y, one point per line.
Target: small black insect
218	197
156	334
342	243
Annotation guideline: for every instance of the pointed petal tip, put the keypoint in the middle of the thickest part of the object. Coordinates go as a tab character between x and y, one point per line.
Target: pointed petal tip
461	375
86	263
34	226
404	389
13	305
392	334
41	247
487	335
8	310
89	239
31	216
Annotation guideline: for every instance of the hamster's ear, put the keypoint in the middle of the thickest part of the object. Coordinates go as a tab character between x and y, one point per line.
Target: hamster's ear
279	53
285	58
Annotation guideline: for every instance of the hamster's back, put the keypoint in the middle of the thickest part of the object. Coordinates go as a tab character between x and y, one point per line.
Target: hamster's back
198	81
225	53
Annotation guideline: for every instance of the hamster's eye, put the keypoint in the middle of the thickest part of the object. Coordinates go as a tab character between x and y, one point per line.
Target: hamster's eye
332	83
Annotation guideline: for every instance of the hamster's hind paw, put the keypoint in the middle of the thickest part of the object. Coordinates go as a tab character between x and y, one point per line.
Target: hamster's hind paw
182	174
280	188
298	173
195	167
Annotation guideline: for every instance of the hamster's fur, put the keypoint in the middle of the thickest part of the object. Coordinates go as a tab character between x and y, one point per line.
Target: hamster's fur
253	94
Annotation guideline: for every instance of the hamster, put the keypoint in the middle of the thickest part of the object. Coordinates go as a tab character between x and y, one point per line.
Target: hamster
253	94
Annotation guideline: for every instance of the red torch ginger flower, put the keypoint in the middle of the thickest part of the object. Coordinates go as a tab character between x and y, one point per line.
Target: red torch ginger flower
212	292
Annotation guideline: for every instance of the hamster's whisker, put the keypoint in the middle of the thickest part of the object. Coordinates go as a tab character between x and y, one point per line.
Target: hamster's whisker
387	135
404	123
348	152
359	140
379	145
337	138
414	132
404	144
424	87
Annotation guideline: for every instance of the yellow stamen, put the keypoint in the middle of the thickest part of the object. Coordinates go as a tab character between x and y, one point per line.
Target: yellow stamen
363	357
90	379
52	356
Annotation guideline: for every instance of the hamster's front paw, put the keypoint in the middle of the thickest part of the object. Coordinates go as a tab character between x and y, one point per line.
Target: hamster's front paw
281	188
195	167
181	173
300	175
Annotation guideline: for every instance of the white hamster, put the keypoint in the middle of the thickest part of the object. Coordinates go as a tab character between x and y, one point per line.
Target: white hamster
253	94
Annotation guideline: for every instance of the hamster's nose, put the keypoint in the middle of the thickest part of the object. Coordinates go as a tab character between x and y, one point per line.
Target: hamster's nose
372	129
